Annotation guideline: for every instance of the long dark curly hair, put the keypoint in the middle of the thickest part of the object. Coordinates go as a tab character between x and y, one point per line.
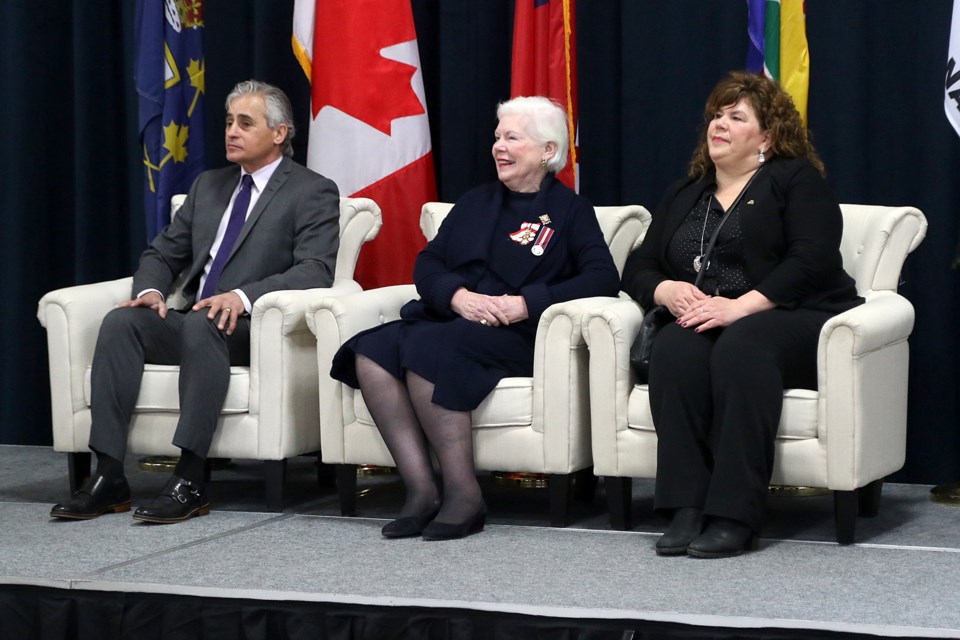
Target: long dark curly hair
775	111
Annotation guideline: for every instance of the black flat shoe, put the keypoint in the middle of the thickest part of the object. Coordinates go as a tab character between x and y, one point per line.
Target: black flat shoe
410	525
96	496
723	538
179	500
451	531
686	525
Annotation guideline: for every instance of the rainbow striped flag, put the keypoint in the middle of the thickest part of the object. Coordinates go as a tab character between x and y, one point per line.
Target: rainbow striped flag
778	46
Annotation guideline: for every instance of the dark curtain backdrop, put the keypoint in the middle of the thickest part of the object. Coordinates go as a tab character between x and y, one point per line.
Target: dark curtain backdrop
70	189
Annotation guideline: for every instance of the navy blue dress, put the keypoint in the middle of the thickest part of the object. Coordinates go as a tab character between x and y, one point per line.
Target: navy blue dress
485	246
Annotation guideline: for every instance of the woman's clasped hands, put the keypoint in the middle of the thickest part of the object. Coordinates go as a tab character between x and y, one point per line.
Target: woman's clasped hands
695	309
489	310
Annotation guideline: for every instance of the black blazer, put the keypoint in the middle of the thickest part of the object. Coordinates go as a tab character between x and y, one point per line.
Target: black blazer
576	262
791	224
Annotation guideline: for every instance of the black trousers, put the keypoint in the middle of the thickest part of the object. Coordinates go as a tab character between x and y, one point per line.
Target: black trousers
716	399
130	337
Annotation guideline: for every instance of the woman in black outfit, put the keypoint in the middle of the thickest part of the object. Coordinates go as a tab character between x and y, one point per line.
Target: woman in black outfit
506	252
751	329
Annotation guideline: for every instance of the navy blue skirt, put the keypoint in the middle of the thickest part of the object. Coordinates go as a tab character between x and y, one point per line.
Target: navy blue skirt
464	360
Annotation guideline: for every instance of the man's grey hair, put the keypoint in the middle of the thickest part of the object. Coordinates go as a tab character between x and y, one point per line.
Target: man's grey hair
279	110
546	122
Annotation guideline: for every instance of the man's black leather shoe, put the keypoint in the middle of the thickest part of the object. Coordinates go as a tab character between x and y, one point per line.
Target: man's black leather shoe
96	496
179	500
685	526
723	538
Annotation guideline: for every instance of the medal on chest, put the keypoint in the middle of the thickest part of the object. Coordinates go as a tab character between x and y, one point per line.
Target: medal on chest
526	233
536	232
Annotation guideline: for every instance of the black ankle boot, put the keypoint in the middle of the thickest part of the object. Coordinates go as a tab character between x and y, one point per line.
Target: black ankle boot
686	524
723	538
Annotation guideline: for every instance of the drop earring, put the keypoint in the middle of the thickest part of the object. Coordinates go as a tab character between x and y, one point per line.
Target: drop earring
761	157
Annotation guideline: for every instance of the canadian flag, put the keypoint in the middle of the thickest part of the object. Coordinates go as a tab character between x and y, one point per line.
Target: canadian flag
369	131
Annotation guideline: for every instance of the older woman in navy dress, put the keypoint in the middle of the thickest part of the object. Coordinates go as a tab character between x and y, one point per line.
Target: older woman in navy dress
506	252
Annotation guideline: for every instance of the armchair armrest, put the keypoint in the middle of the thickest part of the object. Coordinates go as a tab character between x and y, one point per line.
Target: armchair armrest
862	366
560	371
886	318
72	318
609	331
291	306
334	321
283	363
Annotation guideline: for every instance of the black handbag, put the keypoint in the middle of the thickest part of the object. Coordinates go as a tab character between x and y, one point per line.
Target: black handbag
642	347
659	316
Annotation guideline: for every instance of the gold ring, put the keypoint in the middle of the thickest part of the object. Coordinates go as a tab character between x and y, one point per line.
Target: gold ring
484	322
226	309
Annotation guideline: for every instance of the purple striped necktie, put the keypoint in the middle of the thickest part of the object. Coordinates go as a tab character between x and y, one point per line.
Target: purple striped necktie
238	216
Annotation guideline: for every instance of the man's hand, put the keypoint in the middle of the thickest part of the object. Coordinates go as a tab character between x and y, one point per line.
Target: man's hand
228	306
150	300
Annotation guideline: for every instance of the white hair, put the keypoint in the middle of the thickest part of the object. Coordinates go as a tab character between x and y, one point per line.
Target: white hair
547	122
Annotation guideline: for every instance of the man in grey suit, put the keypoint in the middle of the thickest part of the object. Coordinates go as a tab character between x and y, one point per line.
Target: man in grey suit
264	225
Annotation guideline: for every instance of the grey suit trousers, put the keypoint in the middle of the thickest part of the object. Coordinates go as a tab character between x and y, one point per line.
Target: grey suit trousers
130	337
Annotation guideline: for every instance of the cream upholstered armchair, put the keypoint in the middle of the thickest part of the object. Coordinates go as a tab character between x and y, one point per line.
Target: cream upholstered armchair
271	411
538	424
846	437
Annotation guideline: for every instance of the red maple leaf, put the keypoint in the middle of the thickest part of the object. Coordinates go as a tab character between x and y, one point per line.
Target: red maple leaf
349	72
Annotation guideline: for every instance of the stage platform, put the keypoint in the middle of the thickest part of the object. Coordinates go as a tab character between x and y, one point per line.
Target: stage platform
309	566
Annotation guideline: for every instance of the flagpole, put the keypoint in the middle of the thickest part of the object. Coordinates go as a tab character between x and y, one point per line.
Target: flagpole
950	493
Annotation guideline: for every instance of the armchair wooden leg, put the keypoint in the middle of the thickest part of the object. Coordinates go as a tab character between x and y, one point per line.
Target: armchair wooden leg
559	487
585	485
619	501
845	508
347	488
79	465
275	472
869	498
326	474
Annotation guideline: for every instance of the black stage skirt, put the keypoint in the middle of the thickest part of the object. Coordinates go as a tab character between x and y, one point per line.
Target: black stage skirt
464	360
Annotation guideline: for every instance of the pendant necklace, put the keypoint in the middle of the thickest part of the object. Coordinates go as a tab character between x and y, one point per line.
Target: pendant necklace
698	261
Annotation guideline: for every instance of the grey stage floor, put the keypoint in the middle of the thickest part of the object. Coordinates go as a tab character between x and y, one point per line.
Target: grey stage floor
900	579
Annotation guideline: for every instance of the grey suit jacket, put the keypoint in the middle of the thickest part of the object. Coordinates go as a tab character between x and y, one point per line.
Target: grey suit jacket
289	241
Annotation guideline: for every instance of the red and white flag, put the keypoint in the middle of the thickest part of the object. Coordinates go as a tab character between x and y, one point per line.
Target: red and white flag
369	131
545	63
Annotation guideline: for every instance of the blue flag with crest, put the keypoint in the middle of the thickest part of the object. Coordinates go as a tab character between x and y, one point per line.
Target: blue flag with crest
170	87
